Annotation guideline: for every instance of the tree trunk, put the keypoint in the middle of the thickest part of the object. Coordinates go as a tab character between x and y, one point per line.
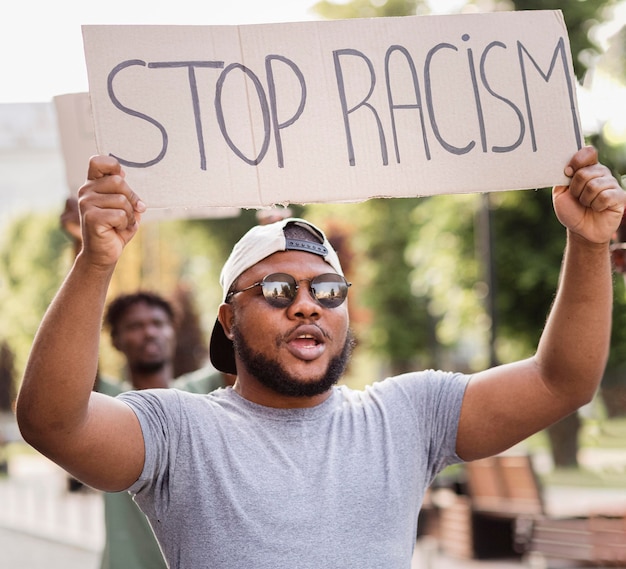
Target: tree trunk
614	399
564	441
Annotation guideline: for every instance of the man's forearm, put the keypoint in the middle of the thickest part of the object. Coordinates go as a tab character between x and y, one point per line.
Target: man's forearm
574	346
60	372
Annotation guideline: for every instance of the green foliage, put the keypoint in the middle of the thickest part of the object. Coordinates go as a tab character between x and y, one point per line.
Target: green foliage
401	326
34	258
225	232
446	270
527	252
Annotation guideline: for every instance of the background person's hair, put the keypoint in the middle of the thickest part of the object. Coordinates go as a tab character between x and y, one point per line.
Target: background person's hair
119	305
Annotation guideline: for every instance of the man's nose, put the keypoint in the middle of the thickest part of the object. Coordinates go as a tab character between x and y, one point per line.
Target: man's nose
304	304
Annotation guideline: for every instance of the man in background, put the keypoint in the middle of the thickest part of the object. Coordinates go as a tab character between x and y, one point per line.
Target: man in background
141	326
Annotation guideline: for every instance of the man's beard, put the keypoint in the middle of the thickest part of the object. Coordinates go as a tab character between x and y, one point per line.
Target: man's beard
147	367
274	376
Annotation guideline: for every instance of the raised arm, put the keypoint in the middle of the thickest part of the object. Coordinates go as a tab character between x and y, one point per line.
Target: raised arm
94	437
506	404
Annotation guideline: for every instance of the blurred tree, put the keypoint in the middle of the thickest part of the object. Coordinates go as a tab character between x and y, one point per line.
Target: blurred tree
527	253
35	255
580	17
386	226
444	253
611	144
613	389
34	258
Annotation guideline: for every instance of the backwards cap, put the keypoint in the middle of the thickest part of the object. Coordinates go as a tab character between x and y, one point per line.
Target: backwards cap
258	243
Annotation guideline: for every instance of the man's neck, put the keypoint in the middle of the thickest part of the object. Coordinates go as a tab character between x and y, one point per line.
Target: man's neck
152	380
252	390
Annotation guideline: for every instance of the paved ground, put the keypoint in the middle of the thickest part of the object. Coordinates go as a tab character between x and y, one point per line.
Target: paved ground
19	550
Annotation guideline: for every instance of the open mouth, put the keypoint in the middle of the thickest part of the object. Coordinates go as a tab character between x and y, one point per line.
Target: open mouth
307	342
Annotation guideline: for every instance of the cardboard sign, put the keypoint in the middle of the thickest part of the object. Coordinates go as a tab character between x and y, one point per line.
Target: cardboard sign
78	144
335	111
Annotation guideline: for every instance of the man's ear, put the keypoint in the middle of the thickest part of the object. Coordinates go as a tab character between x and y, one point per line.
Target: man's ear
225	315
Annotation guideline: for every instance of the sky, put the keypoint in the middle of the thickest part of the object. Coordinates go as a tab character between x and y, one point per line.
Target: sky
41	46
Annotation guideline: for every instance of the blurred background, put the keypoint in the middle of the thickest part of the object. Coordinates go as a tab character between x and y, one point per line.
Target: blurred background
470	277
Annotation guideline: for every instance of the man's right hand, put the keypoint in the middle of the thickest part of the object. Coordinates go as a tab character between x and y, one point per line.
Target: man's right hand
110	212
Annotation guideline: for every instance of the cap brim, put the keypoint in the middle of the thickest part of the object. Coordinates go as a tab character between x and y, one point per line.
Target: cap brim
222	351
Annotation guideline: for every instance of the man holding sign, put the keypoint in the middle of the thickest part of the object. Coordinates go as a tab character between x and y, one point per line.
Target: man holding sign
285	469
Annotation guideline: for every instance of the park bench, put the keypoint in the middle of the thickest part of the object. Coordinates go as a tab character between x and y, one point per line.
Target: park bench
502	513
481	522
593	540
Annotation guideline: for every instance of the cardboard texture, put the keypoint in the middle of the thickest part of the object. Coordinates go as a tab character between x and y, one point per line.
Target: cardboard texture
78	145
78	142
335	111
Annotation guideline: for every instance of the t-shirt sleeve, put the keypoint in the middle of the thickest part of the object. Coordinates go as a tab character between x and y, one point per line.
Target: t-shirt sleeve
158	412
434	399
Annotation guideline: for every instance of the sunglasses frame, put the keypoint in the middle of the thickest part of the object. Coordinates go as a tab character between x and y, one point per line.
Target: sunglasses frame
296	284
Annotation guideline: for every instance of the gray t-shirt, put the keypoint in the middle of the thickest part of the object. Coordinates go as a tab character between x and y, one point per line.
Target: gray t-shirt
229	484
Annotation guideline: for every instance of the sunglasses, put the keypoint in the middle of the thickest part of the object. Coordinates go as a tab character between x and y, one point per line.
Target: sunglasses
280	289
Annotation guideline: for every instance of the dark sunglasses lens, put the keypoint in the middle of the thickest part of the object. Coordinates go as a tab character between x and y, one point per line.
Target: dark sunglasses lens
279	289
330	289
